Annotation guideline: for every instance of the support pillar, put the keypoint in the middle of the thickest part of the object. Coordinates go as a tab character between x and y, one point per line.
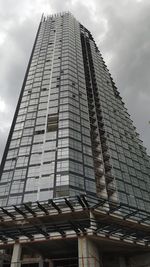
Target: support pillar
16	256
1	262
51	264
142	260
41	262
87	253
122	262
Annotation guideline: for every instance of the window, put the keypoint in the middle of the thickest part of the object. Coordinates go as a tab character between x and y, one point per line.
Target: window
62	180
35	159
46	182
22	161
31	184
89	172
17	187
49	145
12	153
90	186
76	181
4	189
116	163
13	200
7	176
24	150
9	164
87	150
19	174
48	168
52	123
88	161
34	171
30	197
129	189
62	166
45	195
28	131
123	197
49	156
63	153
14	143
39	132
26	141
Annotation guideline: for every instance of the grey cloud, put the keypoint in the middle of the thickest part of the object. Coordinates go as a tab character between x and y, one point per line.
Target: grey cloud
121	29
128	40
14	59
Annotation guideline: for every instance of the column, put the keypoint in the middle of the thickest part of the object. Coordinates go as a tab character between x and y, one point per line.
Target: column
87	253
51	263
1	262
140	260
41	262
16	256
122	262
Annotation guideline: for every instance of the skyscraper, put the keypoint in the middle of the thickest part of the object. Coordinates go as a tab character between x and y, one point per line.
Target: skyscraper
71	135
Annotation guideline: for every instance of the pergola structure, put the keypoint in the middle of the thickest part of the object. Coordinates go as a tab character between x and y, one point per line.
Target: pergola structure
66	223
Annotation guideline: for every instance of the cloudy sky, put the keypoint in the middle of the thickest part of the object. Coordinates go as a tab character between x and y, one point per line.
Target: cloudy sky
121	29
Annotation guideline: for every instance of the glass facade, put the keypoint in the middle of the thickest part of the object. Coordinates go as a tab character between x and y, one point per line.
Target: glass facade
71	133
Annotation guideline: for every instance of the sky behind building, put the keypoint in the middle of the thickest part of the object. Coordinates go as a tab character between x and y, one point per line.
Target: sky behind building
120	28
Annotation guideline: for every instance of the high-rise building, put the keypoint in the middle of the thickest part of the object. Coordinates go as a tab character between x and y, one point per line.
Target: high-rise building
72	143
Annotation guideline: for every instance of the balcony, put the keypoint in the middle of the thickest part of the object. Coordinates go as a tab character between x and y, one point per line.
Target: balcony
97	164
91	112
91	104
111	188
106	156
99	171
95	141
100	186
95	88
89	95
94	135
108	166
97	149
109	177
102	130
104	147
98	105
99	115
103	139
101	124
96	155
93	121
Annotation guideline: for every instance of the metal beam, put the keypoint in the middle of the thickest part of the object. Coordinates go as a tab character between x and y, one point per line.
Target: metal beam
30	210
144	219
130	214
82	228
8	213
23	232
58	229
42	231
54	205
4	239
69	204
75	228
10	235
85	201
42	208
111	210
20	211
100	203
81	202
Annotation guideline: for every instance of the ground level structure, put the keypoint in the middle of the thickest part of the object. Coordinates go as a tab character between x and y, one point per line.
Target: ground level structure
74	231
